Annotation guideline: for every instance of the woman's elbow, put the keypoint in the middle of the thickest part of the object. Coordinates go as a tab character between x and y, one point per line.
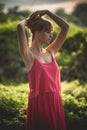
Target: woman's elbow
19	27
66	27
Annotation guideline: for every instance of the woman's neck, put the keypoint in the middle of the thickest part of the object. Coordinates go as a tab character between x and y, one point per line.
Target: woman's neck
37	46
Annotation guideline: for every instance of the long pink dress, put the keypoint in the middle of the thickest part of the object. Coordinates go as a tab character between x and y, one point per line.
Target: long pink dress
45	110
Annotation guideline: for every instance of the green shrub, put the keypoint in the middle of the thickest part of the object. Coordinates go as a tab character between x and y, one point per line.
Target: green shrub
14	99
13	102
75	104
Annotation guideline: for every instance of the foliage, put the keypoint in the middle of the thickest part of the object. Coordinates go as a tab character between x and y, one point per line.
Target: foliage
14	99
81	12
72	60
2	6
11	61
72	57
12	14
78	16
74	49
74	99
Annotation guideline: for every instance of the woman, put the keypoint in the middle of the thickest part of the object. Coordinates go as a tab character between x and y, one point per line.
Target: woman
45	110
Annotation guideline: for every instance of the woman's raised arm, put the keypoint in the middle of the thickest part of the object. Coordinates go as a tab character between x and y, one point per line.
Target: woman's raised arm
60	38
22	39
23	45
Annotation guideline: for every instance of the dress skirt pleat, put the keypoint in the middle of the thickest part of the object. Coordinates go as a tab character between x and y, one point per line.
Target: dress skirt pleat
45	112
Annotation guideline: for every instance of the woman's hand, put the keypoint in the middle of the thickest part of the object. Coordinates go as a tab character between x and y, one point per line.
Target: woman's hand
39	13
35	16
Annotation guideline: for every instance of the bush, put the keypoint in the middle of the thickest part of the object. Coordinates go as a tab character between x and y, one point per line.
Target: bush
13	102
74	99
11	65
80	12
73	57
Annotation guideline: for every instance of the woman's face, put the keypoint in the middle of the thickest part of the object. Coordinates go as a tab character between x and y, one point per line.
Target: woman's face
45	37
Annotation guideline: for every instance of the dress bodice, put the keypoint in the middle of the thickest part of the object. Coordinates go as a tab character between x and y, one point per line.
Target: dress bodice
44	77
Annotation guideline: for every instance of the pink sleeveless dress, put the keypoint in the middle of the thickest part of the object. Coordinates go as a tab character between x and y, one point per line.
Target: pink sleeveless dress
45	110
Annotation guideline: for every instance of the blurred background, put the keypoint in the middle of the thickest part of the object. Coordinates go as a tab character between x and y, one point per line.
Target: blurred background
72	59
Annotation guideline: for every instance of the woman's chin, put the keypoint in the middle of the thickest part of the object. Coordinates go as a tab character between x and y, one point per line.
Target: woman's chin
48	42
